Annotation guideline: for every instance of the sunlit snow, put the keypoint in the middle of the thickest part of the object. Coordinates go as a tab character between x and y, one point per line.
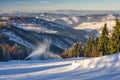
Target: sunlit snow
102	68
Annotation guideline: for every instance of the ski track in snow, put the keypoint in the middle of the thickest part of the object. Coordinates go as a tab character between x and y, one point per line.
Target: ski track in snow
102	68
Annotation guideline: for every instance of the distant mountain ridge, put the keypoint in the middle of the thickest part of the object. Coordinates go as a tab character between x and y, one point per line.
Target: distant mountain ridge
29	32
61	30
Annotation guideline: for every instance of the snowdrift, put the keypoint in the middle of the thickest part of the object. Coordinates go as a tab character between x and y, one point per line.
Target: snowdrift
100	68
110	61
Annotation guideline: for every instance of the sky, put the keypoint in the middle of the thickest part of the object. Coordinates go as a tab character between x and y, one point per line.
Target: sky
43	5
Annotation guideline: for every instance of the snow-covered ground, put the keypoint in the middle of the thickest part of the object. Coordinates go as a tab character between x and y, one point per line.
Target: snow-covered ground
102	68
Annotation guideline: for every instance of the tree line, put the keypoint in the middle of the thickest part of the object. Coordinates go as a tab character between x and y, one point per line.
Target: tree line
106	44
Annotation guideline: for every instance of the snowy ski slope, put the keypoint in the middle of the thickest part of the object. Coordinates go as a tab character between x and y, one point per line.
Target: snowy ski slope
102	68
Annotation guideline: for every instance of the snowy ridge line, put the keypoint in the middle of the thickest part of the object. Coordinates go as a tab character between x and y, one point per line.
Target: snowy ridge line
32	27
60	44
17	39
68	20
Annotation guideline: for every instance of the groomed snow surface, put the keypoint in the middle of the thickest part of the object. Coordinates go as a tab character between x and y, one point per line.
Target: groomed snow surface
102	68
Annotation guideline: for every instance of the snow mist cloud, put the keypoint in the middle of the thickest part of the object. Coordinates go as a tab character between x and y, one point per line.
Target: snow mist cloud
43	52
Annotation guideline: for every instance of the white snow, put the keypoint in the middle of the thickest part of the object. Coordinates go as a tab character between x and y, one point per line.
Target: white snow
75	19
101	68
89	17
109	17
89	26
17	39
67	20
34	27
60	44
86	36
69	41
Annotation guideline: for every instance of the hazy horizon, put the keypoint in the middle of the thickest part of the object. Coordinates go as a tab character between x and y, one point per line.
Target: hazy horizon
9	6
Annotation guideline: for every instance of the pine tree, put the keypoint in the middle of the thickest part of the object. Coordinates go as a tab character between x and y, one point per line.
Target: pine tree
103	43
115	38
96	44
88	47
91	48
95	52
77	49
1	54
4	52
74	51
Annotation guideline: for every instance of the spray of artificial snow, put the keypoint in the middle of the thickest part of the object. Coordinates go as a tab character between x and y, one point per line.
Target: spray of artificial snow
43	52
